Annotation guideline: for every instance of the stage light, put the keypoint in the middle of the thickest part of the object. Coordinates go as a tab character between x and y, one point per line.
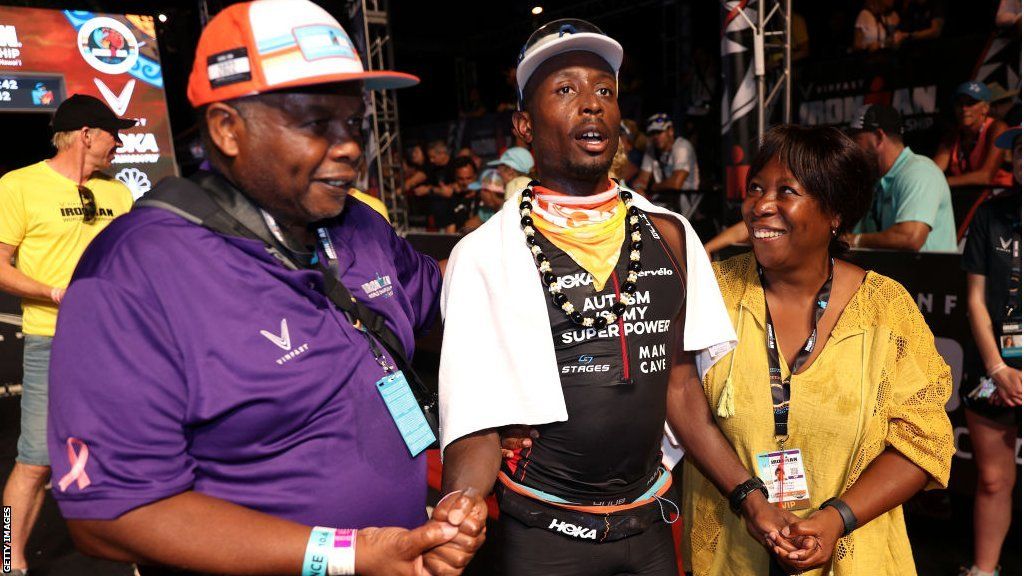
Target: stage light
537	10
162	17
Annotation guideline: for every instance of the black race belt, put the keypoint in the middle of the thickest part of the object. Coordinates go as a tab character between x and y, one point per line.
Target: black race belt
582	526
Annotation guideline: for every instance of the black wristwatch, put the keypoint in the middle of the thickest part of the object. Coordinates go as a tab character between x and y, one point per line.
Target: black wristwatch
740	493
849	519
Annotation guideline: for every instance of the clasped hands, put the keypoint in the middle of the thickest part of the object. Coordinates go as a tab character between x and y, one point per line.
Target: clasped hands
797	544
443	546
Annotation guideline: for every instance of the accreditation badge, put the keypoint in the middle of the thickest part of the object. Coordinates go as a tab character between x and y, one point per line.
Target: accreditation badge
783	474
406	412
1010	340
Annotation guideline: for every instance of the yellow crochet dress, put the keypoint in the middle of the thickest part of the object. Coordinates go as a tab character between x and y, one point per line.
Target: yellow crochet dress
879	382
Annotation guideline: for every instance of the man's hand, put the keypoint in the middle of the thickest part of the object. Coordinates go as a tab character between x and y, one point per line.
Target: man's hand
397	551
766	521
516	438
468	511
1008	387
816	537
57	294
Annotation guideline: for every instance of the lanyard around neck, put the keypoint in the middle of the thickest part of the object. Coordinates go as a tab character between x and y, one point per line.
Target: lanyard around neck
332	282
779	386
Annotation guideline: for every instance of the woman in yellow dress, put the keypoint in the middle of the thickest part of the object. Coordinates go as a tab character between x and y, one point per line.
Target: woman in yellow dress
857	426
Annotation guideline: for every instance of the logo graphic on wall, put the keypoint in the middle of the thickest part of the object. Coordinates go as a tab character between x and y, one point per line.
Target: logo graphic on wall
10	46
117	102
42	95
137	148
108	45
136	180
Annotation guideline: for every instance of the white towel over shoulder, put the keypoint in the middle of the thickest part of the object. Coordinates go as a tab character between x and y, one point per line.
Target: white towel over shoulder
498	363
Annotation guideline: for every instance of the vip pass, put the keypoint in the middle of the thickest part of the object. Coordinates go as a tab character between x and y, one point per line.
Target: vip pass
560	300
330	552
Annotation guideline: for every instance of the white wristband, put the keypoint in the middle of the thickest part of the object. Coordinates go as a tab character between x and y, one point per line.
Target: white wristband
996	369
341	560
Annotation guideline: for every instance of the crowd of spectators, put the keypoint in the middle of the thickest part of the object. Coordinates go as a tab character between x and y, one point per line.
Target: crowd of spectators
447	194
892	23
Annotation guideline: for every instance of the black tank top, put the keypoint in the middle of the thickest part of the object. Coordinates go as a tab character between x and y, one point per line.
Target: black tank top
614	381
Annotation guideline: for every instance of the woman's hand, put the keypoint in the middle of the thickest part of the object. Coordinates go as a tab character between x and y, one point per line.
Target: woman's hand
1008	387
765	522
815	537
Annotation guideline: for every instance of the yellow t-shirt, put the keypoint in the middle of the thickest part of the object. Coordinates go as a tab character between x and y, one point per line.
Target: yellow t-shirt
41	214
371	201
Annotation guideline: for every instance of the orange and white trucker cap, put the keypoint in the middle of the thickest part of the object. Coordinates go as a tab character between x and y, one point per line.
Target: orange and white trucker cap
265	45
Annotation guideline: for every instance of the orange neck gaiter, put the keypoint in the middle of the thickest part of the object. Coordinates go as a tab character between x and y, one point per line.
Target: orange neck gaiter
590	229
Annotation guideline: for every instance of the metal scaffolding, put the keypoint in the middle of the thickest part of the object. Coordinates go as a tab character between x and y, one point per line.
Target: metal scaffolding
384	150
773	21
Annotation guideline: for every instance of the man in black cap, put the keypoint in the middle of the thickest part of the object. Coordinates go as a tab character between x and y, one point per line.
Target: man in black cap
49	212
912	209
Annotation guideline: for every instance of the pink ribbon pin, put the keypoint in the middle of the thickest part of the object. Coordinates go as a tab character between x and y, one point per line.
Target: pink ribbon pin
77	473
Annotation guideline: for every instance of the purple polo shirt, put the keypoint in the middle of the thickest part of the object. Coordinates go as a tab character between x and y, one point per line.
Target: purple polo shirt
185	360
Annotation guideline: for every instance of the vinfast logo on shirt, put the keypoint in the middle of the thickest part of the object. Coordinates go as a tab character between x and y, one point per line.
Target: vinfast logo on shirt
1004	245
284	342
380	286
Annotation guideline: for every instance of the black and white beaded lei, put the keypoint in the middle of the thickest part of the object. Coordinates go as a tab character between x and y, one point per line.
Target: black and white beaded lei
559	299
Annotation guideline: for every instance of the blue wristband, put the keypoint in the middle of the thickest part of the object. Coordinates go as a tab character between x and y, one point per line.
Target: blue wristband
321	542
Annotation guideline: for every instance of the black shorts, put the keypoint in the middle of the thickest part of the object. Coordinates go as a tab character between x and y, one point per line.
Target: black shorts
1008	416
528	551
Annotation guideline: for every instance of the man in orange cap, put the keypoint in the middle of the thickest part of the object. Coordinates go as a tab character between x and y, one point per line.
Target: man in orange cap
252	326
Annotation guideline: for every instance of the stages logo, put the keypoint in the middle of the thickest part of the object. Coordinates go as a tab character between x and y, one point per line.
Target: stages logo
108	45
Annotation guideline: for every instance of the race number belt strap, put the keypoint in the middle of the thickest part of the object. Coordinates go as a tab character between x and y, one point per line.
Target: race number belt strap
656	491
779	386
582	526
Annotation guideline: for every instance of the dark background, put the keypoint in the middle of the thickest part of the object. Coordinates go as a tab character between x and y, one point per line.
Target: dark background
460	44
443	41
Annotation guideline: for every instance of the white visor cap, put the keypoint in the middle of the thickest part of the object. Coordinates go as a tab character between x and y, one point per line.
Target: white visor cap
559	37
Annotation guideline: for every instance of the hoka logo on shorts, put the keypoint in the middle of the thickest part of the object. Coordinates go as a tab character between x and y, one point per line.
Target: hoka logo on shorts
573	530
380	286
